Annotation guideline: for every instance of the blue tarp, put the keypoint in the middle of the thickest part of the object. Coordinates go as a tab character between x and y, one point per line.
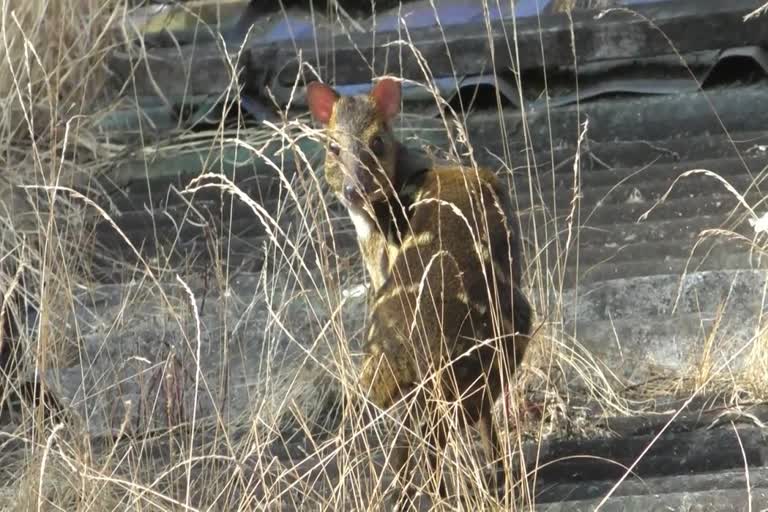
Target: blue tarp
422	13
454	12
416	14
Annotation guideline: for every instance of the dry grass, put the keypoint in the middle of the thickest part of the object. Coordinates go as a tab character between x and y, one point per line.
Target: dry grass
52	66
52	71
220	389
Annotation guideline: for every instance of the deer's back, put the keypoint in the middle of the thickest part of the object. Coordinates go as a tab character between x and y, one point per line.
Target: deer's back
449	291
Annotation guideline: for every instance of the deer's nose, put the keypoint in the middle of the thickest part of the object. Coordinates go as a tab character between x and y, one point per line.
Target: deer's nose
351	193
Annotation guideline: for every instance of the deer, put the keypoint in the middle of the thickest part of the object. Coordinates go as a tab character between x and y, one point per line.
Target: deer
448	316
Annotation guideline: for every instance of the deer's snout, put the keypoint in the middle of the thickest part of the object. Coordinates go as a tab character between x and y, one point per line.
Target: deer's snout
359	183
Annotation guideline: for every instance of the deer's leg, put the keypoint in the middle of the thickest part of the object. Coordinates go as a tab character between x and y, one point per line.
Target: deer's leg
403	462
490	440
434	433
437	439
401	454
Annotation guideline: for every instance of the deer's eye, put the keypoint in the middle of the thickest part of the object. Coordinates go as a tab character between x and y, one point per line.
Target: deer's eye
335	148
377	145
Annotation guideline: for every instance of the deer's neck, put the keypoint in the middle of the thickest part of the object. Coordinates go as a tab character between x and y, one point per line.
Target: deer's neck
392	214
381	236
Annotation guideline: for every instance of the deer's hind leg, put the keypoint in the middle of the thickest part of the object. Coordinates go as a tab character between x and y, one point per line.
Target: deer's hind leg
420	425
403	463
489	437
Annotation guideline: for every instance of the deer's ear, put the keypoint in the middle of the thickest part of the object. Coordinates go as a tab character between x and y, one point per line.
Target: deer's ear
386	96
321	99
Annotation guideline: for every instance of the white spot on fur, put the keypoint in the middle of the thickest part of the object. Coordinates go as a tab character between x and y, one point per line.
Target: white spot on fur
394	292
418	240
362	225
421	195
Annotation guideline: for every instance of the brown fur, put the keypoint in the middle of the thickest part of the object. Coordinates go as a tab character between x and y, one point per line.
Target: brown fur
448	314
452	305
438	259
